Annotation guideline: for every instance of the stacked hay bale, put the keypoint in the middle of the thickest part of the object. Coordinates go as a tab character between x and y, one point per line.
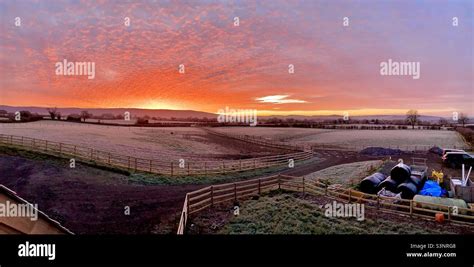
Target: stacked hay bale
400	181
371	183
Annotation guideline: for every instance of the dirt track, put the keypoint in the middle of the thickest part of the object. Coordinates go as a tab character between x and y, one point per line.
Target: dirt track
330	158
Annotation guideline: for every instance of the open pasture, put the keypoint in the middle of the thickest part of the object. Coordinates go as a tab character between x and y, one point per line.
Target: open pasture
143	142
354	138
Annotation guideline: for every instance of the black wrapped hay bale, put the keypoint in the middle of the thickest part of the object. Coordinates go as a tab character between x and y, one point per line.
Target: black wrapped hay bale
400	173
411	186
419	182
390	185
408	190
370	183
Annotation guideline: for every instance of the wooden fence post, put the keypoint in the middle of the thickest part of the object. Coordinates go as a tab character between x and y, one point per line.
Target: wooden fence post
171	168
350	195
187	203
449	213
128	163
411	207
378	201
188	168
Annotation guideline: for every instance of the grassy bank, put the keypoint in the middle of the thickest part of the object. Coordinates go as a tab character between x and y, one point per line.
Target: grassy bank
284	213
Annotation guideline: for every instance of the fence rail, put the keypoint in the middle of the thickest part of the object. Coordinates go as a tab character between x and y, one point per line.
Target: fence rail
207	197
314	147
260	141
170	167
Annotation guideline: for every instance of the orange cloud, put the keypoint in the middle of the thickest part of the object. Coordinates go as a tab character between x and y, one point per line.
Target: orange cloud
336	68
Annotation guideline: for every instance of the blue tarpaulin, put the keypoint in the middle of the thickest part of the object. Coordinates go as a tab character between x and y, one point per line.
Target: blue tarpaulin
431	188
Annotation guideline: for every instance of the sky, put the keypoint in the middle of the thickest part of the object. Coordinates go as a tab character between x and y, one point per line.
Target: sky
336	67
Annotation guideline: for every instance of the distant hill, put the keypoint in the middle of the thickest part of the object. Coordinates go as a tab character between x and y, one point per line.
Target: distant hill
182	114
162	113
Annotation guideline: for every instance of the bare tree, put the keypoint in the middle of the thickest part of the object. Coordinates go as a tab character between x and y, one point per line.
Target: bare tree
463	118
412	117
53	112
85	115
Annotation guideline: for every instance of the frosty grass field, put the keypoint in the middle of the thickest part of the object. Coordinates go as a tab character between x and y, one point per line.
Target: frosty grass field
149	143
349	138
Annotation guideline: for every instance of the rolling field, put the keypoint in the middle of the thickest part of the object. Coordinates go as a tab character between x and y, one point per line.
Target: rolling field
351	138
148	143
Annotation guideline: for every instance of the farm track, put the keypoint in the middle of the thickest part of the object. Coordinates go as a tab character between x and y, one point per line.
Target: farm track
331	158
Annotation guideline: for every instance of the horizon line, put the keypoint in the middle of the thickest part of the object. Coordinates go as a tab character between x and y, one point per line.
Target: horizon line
267	113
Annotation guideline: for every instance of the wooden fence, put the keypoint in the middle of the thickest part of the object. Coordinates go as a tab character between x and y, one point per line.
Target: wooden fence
260	141
215	194
150	165
207	197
